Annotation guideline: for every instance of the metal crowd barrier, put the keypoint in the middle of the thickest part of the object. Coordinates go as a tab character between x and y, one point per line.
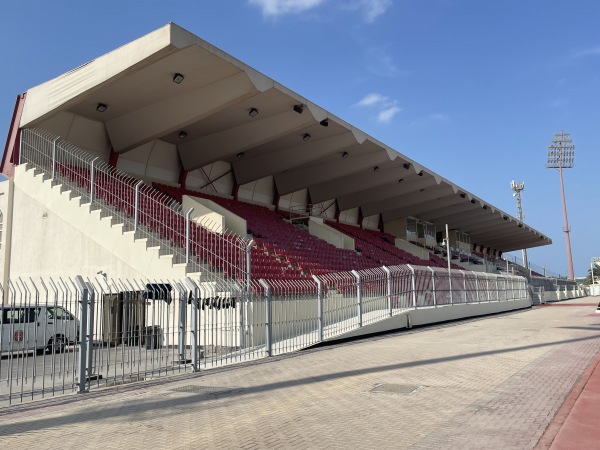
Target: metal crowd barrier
60	336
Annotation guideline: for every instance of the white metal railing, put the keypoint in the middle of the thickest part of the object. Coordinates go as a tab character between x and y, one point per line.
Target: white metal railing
141	209
118	331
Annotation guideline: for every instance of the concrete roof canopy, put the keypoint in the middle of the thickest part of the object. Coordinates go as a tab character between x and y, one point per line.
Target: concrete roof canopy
212	104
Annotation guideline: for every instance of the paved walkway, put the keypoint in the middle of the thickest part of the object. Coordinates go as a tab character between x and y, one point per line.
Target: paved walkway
487	383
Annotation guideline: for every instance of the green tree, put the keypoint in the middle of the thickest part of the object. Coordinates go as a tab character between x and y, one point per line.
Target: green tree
588	279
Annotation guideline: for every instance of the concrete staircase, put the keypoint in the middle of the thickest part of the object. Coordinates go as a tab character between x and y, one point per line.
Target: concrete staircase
99	225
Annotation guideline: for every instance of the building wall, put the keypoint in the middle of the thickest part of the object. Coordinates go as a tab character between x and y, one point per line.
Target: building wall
55	235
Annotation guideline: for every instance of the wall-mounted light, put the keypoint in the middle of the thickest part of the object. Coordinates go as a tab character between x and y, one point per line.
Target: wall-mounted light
345	155
422	190
463	195
505	217
240	155
376	169
298	108
182	135
400	180
253	112
420	173
178	78
473	200
306	137
324	122
101	107
406	166
485	207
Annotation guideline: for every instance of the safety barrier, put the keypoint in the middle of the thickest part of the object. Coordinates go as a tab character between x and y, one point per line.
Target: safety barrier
60	336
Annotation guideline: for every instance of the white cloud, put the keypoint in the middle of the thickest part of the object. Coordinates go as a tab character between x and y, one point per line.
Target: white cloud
375	8
386	107
386	115
380	63
372	99
371	9
591	51
273	8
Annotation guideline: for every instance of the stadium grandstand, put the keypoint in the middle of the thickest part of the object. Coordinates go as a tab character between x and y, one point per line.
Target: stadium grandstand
169	159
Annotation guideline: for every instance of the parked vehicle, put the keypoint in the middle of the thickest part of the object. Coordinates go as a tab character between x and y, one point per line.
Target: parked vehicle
26	328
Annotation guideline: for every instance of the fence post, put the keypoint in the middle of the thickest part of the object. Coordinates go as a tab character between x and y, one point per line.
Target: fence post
319	307
358	297
92	180
54	159
247	294
90	332
413	285
268	334
83	333
388	275
137	205
188	215
249	246
194	331
476	285
465	286
433	285
182	326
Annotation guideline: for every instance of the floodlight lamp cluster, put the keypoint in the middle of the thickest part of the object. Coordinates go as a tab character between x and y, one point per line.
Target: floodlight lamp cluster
561	152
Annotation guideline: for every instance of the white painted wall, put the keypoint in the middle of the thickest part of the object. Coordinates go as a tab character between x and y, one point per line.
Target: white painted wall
56	235
156	160
415	250
396	228
349	216
317	228
207	210
6	205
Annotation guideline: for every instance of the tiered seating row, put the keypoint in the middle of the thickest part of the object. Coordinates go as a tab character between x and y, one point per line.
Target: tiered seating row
381	246
220	251
283	247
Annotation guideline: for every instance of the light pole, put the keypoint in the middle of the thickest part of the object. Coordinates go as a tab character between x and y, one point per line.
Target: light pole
517	188
561	153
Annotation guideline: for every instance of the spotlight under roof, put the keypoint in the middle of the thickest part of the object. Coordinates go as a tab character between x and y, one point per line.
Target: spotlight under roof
101	107
178	78
324	122
406	166
306	137
240	155
345	155
253	112
182	135
298	108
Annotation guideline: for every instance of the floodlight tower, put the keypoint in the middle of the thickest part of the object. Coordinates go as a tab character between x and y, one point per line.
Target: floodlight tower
517	188
561	153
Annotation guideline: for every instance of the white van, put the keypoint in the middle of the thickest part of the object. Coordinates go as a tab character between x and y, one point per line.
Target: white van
25	328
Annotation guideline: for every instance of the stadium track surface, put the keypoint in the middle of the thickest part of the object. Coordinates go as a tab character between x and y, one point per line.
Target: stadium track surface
528	379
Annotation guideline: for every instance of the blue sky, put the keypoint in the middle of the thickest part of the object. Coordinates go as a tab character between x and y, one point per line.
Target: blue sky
472	89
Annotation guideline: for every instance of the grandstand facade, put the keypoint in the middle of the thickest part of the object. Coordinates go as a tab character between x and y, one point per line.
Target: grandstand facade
190	161
189	212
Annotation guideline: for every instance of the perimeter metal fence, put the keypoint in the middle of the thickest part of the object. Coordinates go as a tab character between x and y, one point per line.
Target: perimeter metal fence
60	336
